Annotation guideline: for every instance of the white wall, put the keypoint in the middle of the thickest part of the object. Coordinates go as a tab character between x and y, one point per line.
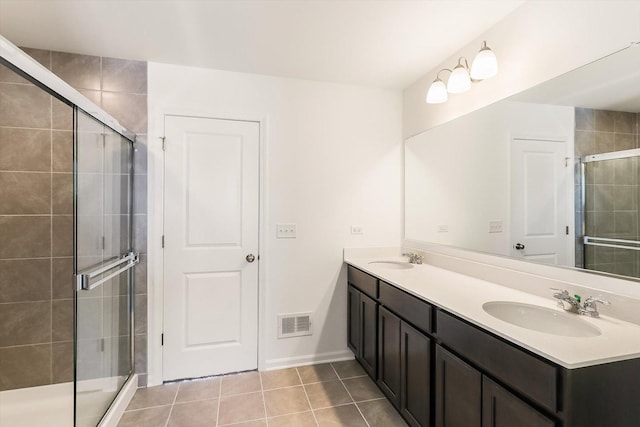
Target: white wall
472	186
333	159
538	41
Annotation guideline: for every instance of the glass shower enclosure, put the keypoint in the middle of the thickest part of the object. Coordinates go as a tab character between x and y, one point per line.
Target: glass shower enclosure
66	251
611	217
103	257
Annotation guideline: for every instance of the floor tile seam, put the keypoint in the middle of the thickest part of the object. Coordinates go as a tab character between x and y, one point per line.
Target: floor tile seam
333	406
352	377
327	381
283	388
370	400
175	396
264	403
243	422
219	399
291	413
307	396
351	397
182	402
148	407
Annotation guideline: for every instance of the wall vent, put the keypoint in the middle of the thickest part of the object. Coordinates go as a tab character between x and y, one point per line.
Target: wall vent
294	325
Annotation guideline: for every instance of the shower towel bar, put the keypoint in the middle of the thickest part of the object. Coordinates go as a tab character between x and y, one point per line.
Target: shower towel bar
83	280
611	243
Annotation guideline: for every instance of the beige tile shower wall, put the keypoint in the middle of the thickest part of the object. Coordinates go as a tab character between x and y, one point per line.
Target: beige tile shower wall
612	189
36	306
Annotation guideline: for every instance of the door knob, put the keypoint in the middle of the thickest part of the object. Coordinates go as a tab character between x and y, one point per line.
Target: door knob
250	258
518	246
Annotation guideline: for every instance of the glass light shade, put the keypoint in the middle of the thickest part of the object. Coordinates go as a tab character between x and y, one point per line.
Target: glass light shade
437	93
485	65
459	80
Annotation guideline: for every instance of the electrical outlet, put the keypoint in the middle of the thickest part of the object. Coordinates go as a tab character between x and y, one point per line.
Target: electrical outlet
357	229
495	226
285	231
444	228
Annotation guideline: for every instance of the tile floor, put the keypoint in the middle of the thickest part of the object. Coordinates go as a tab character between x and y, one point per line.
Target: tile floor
332	394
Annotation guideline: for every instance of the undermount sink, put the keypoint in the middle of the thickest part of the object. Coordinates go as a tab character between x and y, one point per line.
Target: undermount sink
541	319
393	265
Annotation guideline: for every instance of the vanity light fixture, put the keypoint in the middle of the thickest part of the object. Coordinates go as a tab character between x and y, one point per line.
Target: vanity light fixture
459	80
484	66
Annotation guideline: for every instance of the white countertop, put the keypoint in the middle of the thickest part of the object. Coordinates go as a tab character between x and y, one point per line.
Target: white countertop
464	296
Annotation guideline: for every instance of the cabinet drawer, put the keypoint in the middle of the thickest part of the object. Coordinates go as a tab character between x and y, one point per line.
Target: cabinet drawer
361	280
410	308
522	371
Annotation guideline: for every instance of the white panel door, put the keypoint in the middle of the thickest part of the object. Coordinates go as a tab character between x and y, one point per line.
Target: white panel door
211	206
539	214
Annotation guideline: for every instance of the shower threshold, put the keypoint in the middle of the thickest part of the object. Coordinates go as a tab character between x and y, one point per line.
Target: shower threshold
52	405
43	406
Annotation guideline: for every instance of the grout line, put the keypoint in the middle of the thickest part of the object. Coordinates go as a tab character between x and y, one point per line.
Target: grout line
243	422
148	407
307	396
350	396
294	413
264	402
172	405
219	399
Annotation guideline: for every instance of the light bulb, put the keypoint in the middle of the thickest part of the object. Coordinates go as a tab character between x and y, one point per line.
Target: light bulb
437	93
459	80
485	64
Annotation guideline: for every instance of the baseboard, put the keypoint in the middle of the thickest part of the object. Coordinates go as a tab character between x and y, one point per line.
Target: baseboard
113	415
309	359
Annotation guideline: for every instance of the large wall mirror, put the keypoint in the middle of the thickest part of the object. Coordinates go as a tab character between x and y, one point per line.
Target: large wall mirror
551	175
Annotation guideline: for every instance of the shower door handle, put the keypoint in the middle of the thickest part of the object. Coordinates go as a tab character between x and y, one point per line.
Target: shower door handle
83	280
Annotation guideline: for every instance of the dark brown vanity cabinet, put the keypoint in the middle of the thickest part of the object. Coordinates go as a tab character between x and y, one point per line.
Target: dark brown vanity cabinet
424	358
458	393
362	336
404	356
502	409
466	397
389	346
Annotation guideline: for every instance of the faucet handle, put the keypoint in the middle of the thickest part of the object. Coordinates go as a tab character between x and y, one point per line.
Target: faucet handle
589	307
557	293
414	258
592	300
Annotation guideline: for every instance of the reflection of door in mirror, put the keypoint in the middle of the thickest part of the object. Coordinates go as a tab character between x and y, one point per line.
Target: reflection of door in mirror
539	219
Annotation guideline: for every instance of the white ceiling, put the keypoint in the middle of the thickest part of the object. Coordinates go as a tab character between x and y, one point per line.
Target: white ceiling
380	43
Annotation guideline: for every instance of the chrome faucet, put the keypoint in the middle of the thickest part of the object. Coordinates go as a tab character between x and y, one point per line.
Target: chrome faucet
414	258
566	301
589	307
572	303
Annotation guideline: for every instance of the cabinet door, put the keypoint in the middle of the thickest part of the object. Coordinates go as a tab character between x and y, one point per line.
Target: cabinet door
389	355
502	409
415	400
458	392
353	320
369	333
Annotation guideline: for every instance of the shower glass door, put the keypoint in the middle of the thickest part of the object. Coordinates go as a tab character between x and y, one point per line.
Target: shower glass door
103	260
610	201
